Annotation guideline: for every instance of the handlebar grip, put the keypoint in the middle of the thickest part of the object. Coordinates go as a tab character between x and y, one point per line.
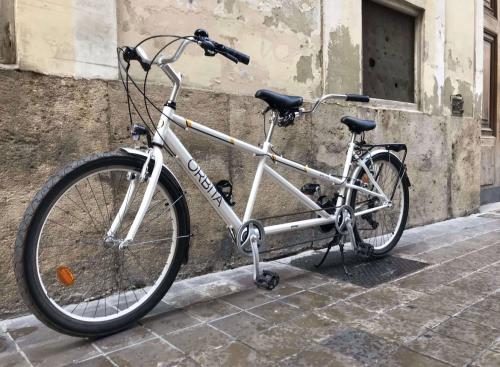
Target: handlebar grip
240	56
229	56
357	98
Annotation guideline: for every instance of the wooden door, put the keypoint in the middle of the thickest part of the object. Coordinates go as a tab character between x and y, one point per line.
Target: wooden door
490	170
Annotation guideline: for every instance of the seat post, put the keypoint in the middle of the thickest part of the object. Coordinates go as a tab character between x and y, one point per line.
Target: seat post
353	137
271	127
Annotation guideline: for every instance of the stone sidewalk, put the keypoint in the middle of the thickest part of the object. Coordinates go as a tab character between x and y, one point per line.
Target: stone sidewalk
438	305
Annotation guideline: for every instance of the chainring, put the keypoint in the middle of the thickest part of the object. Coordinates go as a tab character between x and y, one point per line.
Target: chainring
344	212
243	238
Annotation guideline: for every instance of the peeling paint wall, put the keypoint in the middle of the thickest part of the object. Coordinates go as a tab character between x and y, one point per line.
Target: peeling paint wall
342	45
459	54
281	37
301	47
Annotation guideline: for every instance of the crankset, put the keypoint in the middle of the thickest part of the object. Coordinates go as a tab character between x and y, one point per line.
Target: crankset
249	239
245	232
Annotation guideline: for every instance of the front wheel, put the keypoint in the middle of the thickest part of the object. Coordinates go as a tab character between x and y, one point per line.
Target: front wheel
382	228
71	274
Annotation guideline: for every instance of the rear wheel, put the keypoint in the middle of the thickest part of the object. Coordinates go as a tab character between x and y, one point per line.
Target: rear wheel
383	228
71	274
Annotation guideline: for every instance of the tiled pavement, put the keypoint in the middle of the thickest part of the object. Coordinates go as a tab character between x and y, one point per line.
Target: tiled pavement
447	313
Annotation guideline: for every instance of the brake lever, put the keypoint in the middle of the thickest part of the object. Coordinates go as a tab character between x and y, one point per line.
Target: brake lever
208	46
230	57
210	53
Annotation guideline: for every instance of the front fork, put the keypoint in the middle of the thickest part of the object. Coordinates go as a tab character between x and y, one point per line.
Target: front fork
156	154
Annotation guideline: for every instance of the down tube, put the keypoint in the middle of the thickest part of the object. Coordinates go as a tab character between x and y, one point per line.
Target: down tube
201	180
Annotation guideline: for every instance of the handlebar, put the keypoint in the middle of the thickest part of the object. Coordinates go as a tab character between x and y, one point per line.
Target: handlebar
345	97
210	47
357	98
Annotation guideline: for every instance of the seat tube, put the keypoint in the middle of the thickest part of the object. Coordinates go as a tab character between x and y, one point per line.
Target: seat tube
347	168
258	174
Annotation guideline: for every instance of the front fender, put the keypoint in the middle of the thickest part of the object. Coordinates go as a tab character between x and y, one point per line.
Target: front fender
165	170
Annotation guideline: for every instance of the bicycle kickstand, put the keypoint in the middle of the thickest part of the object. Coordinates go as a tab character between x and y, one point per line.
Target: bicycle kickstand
346	271
336	240
267	279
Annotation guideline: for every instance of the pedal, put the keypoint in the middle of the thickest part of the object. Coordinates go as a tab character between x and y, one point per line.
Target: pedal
225	188
364	249
311	189
267	280
361	248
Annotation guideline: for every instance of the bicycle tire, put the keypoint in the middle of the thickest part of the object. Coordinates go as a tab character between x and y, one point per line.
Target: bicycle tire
393	161
28	281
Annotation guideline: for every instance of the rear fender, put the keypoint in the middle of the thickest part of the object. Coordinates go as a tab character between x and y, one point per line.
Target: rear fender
366	159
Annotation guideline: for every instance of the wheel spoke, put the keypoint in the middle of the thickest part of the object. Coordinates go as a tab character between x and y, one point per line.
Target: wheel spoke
97	203
107	281
86	209
104	198
387	177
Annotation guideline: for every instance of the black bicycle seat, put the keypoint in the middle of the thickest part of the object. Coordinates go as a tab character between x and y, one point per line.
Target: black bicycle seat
357	125
279	101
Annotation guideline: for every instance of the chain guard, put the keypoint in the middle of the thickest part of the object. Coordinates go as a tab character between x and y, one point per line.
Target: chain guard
243	238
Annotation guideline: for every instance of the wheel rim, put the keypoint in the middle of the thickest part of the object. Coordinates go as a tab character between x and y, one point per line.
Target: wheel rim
380	228
89	279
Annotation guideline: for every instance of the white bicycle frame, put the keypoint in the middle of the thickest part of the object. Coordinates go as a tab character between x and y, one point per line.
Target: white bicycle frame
165	135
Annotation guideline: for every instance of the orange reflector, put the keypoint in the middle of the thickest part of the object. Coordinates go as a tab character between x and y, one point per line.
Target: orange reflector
365	179
65	276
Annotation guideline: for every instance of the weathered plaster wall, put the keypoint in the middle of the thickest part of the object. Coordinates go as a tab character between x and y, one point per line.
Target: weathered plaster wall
282	38
342	46
303	47
459	55
70	38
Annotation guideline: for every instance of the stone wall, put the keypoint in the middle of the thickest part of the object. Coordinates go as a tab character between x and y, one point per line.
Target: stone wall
47	122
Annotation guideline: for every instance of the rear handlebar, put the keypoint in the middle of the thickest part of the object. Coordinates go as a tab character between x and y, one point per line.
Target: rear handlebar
357	98
345	97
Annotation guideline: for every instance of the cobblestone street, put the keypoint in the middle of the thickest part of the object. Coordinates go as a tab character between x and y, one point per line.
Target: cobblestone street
439	308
